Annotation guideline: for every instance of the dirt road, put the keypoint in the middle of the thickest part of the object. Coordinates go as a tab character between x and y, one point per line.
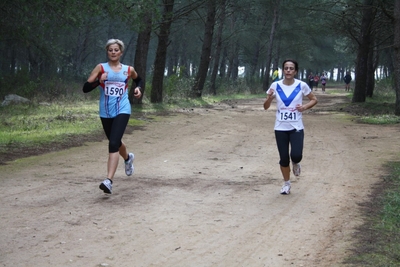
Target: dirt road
205	193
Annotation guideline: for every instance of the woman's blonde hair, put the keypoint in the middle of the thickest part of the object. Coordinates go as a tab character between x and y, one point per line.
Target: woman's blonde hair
115	41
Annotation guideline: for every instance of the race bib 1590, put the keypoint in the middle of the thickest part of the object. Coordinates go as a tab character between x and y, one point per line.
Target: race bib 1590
114	88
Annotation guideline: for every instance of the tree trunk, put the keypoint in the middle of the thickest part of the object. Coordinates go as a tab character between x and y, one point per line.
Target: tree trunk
173	60
80	52
235	66
363	52
230	56
275	62
254	60
218	48
233	61
140	62
222	64
370	74
271	45
206	50
13	61
161	54
230	48
34	69
397	56
262	67
127	46
184	66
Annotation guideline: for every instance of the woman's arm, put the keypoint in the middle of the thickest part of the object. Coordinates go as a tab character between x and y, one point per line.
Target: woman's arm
313	101
270	96
92	81
138	81
95	74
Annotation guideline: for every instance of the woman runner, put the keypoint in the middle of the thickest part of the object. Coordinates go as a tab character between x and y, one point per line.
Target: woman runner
289	128
114	108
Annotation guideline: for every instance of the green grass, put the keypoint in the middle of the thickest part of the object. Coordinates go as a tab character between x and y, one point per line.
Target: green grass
33	125
42	123
336	91
378	239
380	119
378	110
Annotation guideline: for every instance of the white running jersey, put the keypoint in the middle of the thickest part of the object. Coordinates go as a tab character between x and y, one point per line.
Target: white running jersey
287	97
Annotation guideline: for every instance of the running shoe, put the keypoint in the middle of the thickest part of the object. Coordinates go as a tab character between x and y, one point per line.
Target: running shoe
296	169
285	190
106	186
129	169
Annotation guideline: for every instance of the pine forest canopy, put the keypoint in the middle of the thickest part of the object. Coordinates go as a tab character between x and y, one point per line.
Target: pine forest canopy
204	40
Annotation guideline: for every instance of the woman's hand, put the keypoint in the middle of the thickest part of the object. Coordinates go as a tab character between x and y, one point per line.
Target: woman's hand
271	93
103	77
313	101
137	93
268	100
300	108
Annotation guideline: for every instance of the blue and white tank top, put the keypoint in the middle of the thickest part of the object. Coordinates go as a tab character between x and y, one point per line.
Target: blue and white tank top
114	92
287	97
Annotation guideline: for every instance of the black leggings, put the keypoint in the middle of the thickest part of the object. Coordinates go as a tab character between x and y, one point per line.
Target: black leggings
296	140
114	129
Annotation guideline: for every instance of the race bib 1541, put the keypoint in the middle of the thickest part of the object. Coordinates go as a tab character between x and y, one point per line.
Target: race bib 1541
288	115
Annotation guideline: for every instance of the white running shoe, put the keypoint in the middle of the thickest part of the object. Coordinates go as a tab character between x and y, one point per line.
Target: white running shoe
129	169
285	190
296	169
106	186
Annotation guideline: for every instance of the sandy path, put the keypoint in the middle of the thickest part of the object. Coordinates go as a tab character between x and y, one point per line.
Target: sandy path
205	193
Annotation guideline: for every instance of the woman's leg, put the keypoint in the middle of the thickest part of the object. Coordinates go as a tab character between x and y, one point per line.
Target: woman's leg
285	173
114	129
296	144
112	165
282	142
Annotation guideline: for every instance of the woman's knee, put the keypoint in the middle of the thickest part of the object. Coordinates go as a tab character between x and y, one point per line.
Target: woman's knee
284	162
296	158
113	146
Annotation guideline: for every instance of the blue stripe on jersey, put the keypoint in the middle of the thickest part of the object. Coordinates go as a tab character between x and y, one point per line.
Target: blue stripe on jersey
288	100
